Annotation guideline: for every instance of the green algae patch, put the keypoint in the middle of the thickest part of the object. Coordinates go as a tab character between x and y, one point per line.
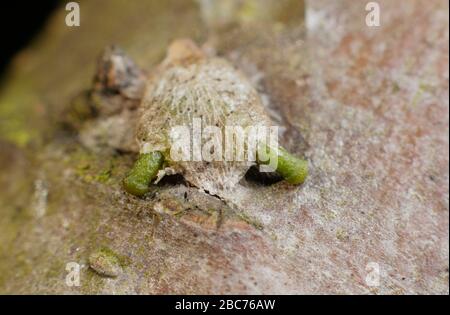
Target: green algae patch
14	126
293	169
251	221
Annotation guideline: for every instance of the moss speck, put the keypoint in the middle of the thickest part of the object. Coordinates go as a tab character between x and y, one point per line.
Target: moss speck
106	262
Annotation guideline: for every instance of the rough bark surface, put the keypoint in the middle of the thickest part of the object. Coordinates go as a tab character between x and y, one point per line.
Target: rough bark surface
367	106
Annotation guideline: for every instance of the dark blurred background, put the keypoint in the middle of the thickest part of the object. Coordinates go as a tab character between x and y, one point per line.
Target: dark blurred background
20	21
